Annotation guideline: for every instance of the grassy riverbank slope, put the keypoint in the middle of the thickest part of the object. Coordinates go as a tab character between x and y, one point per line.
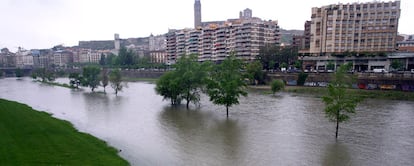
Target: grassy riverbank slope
29	137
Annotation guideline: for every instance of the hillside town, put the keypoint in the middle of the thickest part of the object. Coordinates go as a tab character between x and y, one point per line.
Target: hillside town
365	34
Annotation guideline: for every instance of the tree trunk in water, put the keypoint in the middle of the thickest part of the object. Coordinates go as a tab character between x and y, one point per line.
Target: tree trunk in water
188	99
337	125
227	109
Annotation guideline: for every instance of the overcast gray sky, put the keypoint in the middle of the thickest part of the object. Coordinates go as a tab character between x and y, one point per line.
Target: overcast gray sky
45	23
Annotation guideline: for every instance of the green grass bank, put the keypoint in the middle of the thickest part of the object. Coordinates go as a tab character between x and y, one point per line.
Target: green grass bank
30	137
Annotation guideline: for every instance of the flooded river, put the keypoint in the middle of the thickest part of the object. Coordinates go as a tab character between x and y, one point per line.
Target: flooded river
286	129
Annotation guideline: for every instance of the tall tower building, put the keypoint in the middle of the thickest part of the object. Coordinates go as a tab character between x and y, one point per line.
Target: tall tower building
197	13
117	42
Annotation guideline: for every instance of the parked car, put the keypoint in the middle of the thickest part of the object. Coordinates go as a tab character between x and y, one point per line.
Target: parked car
380	71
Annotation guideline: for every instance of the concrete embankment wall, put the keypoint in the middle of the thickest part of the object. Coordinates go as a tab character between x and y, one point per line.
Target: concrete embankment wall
142	74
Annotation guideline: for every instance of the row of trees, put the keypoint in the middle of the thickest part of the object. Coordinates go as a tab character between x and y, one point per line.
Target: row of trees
128	59
224	83
93	76
44	74
274	56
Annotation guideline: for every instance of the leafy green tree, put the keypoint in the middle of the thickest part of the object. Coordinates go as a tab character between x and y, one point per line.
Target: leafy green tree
226	83
284	65
143	62
104	79
330	66
191	75
111	60
340	103
91	77
268	56
272	64
185	82
115	77
44	74
302	78
75	80
168	86
298	64
396	65
102	61
277	85
125	57
254	71
274	54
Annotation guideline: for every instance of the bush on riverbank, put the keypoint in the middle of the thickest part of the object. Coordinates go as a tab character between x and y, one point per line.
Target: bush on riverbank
29	137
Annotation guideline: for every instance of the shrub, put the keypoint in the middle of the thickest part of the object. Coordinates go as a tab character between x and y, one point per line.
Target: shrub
277	85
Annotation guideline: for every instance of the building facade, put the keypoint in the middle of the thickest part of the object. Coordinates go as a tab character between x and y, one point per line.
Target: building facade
158	57
406	45
355	27
214	42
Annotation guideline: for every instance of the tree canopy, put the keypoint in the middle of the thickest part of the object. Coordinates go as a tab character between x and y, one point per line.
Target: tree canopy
115	78
75	80
185	82
226	83
91	77
254	71
277	85
104	78
168	86
339	102
273	56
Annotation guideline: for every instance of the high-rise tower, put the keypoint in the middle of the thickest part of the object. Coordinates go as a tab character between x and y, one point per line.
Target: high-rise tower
197	13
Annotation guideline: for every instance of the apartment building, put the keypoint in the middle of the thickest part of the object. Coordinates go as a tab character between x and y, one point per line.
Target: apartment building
214	42
363	34
354	27
171	46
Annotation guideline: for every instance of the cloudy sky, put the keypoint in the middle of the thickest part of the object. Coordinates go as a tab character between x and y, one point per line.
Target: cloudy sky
45	23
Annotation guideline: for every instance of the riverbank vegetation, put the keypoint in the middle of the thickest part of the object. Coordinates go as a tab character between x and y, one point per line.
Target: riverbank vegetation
29	137
223	82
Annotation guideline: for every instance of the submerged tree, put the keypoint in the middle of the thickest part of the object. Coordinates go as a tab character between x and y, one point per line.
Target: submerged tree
91	77
104	79
44	74
226	83
191	75
185	82
168	86
115	78
340	103
75	80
